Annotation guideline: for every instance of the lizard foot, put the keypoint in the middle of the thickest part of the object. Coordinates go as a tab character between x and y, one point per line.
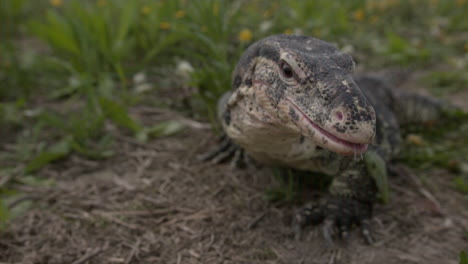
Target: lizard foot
226	150
338	215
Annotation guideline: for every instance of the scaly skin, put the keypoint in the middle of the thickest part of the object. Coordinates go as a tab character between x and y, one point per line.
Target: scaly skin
296	103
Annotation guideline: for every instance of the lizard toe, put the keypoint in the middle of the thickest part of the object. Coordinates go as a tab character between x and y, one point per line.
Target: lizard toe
346	212
338	215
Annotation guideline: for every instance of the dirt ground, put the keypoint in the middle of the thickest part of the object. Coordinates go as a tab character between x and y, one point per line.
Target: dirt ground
156	203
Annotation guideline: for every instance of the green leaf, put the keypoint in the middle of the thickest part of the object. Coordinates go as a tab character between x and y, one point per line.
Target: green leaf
461	184
166	128
119	115
377	168
54	153
463	257
97	152
4	213
126	20
397	44
36	181
163	129
59	33
22	205
10	113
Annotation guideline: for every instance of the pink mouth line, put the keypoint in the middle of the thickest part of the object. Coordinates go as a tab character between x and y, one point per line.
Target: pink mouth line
354	146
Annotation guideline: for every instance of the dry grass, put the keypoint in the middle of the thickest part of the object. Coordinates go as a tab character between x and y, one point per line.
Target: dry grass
156	203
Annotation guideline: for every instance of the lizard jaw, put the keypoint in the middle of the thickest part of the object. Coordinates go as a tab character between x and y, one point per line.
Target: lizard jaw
328	140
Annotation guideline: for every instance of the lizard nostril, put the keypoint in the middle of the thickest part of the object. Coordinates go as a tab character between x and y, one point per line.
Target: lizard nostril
339	115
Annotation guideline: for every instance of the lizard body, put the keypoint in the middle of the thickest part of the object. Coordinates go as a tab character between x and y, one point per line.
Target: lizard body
295	102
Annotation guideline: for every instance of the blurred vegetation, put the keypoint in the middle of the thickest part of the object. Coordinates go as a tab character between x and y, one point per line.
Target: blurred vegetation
70	70
463	258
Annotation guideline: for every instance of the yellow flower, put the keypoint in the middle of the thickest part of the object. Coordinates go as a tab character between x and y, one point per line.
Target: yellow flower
466	47
415	140
146	10
288	31
359	14
56	2
101	2
460	2
245	35
180	14
164	25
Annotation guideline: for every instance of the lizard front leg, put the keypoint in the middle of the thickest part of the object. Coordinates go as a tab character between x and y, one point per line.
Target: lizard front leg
349	202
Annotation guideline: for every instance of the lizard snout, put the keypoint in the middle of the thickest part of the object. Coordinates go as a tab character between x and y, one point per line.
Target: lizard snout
354	120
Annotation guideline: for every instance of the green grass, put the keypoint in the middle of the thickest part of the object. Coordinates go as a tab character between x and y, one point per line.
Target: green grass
463	257
83	55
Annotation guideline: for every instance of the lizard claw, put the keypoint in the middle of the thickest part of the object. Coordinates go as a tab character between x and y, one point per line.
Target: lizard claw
310	214
338	215
331	229
226	150
366	231
224	145
328	232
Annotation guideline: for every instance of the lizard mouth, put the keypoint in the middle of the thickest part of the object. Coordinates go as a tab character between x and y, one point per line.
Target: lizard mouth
328	140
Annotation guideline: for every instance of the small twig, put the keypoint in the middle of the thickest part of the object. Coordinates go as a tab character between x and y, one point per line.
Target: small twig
143	166
199	215
117	221
256	220
176	116
194	254
123	183
143	213
133	251
90	255
424	191
179	258
278	255
153	201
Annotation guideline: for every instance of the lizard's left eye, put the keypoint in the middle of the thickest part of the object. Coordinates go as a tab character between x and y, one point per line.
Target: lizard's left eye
286	69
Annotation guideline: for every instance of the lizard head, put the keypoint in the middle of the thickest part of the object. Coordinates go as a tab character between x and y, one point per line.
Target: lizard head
307	86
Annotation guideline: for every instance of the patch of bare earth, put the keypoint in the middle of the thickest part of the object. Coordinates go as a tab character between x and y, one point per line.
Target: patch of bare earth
156	203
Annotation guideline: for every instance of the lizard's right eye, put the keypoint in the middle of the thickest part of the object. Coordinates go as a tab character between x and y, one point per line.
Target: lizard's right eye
286	69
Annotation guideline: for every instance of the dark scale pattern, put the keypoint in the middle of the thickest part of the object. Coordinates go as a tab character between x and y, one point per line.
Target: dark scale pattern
341	129
276	95
293	114
248	81
237	81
